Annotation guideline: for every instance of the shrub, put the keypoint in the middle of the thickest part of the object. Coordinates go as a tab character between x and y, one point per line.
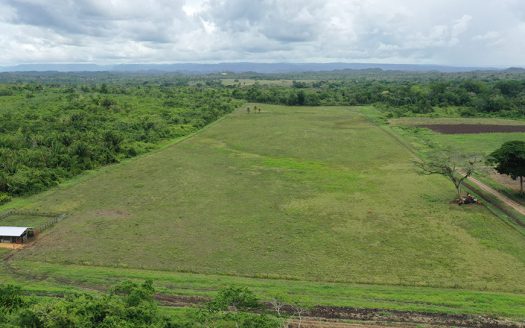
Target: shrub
10	298
4	198
234	297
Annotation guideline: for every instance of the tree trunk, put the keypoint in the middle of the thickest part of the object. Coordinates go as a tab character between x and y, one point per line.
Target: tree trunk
458	191
521	185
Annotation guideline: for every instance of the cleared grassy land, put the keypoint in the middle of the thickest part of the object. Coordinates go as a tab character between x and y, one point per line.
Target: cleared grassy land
454	120
421	299
483	143
305	193
24	221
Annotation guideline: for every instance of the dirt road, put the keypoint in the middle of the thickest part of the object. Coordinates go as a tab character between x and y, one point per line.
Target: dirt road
509	202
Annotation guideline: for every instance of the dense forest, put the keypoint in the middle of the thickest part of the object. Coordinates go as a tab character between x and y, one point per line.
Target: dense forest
54	126
51	132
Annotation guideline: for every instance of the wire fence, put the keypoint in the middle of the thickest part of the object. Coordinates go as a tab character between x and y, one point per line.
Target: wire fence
50	223
54	218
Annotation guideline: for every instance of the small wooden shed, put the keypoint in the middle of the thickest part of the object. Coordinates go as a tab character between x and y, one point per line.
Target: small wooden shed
15	235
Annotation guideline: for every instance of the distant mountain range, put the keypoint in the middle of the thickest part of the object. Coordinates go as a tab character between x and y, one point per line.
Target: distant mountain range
242	67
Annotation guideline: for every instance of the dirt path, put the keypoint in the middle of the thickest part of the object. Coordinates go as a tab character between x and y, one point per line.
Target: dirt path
506	200
472	181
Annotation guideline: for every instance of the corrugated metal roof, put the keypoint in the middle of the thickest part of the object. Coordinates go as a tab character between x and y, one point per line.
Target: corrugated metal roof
12	231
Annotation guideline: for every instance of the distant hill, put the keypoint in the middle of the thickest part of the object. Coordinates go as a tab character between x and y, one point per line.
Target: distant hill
241	67
515	70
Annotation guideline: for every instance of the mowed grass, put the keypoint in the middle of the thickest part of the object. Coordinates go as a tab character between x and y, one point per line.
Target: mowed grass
24	221
316	194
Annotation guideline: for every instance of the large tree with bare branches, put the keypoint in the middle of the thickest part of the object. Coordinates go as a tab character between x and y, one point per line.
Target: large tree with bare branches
453	165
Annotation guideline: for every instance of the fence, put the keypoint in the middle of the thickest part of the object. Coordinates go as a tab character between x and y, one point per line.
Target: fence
54	218
50	223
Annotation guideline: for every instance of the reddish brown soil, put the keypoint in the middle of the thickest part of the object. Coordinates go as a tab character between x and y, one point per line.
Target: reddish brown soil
473	128
404	318
323	323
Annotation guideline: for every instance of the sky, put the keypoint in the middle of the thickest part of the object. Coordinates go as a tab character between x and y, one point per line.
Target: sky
444	32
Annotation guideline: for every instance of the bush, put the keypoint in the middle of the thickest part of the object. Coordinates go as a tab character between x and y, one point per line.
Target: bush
4	198
10	298
237	298
128	304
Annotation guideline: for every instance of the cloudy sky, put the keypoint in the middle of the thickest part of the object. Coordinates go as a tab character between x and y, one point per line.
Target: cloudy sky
449	32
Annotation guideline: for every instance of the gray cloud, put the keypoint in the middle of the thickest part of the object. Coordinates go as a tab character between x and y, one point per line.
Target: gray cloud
453	32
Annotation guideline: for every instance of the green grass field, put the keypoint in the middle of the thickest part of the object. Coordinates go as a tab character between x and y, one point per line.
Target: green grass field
24	221
52	277
319	199
482	143
304	193
412	121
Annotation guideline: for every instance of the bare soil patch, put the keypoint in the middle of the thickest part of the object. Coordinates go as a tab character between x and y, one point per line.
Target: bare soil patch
11	246
473	128
407	319
332	316
324	323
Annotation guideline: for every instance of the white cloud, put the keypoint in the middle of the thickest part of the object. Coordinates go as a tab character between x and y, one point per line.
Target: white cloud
454	32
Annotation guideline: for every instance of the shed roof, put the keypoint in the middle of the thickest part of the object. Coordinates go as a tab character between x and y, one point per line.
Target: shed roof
12	231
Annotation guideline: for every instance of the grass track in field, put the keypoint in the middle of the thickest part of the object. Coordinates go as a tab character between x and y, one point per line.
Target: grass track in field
317	194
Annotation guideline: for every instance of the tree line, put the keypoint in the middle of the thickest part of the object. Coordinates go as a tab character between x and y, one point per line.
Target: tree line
49	133
465	97
131	305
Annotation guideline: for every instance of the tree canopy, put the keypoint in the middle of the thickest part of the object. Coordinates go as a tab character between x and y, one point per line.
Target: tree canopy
509	159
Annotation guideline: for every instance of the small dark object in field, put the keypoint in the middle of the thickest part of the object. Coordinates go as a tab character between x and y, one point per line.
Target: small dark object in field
472	128
469	199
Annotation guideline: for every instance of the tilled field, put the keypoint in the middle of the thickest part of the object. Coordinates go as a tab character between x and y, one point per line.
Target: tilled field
473	128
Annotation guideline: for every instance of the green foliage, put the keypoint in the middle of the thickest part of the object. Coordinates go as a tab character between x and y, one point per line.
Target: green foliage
473	96
63	130
4	198
10	298
510	160
52	131
133	293
127	305
239	298
232	304
248	320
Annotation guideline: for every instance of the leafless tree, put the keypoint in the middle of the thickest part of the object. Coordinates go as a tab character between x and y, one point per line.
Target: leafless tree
299	311
453	165
277	305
